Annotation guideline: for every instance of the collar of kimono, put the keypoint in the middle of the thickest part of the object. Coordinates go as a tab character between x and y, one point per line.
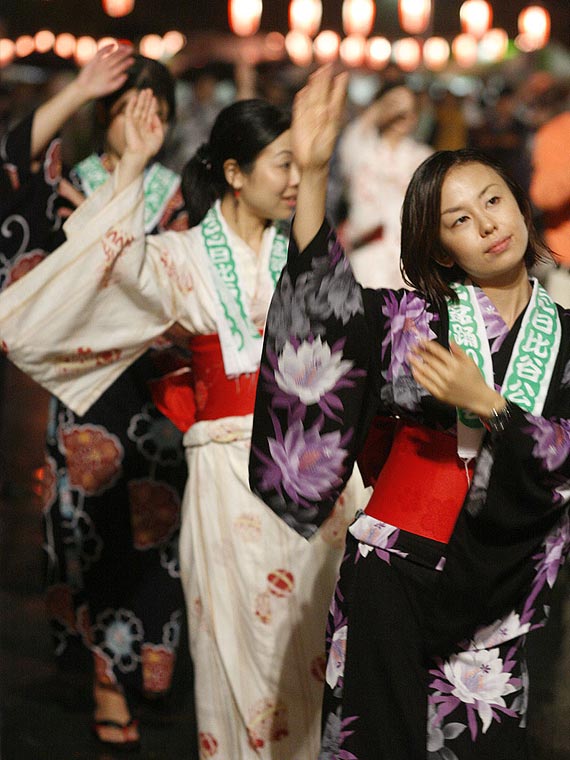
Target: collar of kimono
160	184
531	364
239	337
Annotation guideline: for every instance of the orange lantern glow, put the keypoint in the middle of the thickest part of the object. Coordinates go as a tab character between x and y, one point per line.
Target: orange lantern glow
44	40
358	16
299	48
7	51
244	16
465	50
64	45
493	45
353	49
378	52
436	53
118	8
476	17
274	46
174	41
414	15
24	46
85	50
152	46
407	53
534	26
305	16
105	41
326	46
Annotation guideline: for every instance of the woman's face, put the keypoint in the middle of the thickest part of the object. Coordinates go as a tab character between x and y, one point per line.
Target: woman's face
482	228
115	134
269	191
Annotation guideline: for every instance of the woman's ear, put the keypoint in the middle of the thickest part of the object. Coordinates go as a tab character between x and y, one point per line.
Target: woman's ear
443	258
233	174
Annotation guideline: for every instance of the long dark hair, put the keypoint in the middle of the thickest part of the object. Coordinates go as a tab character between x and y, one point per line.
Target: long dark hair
240	132
421	212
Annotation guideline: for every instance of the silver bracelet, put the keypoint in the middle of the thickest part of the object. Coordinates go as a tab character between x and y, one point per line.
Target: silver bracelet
498	420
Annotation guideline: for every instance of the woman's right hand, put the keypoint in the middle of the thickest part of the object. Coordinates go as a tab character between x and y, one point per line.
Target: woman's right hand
144	135
318	112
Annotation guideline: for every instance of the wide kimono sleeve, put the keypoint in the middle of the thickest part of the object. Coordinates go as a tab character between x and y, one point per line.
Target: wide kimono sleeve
318	386
513	534
78	319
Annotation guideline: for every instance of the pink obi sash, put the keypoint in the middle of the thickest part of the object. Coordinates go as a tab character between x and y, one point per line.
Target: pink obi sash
203	392
422	485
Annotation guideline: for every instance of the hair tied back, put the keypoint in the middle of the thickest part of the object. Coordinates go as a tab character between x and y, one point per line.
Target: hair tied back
204	156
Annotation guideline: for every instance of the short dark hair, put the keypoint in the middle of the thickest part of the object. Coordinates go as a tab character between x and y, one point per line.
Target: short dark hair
421	219
241	131
142	74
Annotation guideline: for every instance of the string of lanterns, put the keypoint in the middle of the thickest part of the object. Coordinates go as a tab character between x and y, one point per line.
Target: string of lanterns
478	41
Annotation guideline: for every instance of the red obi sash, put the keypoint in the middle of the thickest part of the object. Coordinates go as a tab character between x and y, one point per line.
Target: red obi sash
422	484
203	392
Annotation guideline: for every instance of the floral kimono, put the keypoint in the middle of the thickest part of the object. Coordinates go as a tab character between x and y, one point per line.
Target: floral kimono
113	482
257	593
425	635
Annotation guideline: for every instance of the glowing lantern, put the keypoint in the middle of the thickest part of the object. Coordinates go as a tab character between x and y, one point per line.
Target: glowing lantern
436	53
534	26
407	53
7	51
152	46
353	50
299	48
476	17
85	50
378	52
326	46
358	16
305	16
274	46
64	45
414	15
44	40
493	46
24	46
118	8
105	41
465	51
173	42
244	16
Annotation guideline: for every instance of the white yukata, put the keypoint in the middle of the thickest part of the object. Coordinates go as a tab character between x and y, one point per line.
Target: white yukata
257	592
376	175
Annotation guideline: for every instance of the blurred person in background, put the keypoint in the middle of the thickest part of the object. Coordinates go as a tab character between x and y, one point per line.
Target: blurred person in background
377	156
550	185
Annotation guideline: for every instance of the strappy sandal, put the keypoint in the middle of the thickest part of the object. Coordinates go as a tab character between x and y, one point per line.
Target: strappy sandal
128	745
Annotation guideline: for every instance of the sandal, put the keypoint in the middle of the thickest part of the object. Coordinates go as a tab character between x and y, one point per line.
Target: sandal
127	745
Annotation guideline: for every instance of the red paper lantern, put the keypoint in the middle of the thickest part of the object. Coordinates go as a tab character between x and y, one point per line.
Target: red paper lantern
305	16
118	8
414	15
476	17
244	16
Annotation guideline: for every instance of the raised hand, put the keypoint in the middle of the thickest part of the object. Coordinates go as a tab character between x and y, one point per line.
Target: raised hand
144	131
106	72
318	112
453	377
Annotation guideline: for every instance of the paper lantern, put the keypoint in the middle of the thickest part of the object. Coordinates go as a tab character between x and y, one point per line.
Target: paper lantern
465	50
152	46
305	16
436	53
299	48
476	17
358	16
493	45
44	40
244	16
64	45
378	52
85	49
534	26
353	49
407	53
7	51
326	46
118	8
414	15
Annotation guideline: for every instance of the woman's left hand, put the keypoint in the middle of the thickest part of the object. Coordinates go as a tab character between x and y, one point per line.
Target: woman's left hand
453	377
144	131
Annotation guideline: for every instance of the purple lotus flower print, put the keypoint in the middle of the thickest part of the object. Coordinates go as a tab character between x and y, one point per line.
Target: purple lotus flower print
337	655
374	535
509	627
495	326
554	555
343	293
552	441
478	680
409	322
311	373
334	734
306	465
437	735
